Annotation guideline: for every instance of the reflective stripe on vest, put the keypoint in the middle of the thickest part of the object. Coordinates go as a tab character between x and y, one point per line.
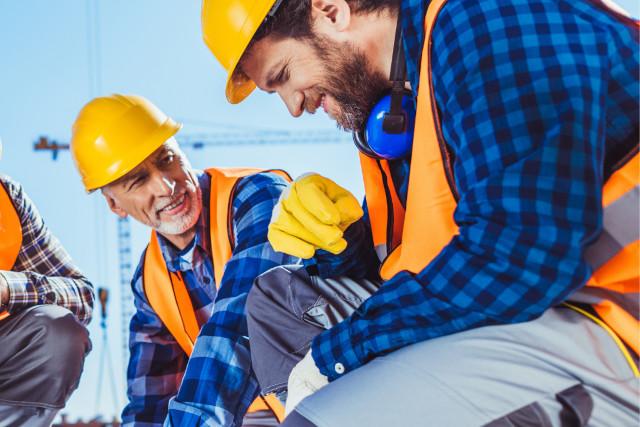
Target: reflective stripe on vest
166	291
428	224
10	234
615	256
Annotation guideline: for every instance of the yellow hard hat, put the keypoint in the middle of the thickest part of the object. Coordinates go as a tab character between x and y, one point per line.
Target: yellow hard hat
227	28
114	134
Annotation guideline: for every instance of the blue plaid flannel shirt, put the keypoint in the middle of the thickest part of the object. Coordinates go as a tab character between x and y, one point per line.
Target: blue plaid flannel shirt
529	93
216	385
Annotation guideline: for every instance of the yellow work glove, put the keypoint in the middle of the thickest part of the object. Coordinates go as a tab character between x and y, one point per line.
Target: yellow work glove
312	214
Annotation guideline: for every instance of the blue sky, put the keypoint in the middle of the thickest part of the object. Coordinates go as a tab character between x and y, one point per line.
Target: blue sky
50	67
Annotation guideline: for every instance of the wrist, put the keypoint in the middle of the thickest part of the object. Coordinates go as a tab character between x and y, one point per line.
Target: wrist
4	293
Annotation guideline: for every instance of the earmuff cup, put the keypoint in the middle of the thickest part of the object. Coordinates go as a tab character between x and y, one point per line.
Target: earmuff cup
373	141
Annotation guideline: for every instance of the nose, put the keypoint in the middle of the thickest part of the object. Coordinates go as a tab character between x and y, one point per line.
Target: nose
294	101
170	184
164	186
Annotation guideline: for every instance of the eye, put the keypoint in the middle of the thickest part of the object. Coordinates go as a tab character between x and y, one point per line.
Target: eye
279	78
283	75
168	158
137	182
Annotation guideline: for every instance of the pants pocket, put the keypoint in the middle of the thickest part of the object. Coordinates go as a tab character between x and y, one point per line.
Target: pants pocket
576	403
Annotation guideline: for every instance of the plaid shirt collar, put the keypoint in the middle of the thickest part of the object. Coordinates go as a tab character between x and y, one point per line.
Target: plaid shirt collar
182	260
412	19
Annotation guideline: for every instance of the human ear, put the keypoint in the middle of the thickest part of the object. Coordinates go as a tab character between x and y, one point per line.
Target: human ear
113	205
330	16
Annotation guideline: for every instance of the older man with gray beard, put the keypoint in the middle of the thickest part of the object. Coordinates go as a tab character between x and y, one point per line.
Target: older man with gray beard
190	355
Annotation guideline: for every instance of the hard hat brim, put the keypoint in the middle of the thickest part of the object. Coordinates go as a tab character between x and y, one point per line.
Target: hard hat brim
236	90
239	86
144	149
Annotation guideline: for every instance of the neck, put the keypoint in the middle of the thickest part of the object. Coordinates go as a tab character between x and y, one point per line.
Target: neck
378	31
181	241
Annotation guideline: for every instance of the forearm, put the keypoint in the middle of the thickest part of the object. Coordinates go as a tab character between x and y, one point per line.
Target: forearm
43	273
25	289
4	293
218	385
440	301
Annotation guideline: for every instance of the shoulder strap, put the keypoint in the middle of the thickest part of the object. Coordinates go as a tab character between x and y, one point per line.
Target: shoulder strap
10	231
168	296
430	194
223	185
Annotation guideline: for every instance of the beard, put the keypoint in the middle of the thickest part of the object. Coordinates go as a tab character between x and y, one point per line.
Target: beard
351	82
186	221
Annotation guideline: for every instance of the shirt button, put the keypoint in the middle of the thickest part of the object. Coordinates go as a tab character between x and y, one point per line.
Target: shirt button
339	368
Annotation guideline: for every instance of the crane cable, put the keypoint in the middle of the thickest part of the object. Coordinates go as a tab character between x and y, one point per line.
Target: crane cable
105	355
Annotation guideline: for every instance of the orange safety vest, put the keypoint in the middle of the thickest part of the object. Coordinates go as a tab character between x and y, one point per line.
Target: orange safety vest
10	234
166	291
410	239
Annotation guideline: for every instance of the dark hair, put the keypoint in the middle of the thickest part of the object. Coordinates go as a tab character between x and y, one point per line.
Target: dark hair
293	17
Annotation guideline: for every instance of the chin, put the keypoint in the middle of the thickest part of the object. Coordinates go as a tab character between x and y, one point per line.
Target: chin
175	228
184	223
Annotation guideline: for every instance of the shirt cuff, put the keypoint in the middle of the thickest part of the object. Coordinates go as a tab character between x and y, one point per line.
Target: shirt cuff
22	293
334	353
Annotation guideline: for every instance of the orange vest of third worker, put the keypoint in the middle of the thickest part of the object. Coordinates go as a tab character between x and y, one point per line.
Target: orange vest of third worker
10	234
411	239
166	291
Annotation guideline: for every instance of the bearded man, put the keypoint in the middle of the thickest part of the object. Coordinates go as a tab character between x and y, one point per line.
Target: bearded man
519	195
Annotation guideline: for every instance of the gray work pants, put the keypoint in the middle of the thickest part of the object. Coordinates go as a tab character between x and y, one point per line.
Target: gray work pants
561	369
42	351
286	308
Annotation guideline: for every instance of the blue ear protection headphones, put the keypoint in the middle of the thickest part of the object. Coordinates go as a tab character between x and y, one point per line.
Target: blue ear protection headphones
388	131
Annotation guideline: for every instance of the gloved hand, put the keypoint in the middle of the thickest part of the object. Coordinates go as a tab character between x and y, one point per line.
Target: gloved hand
312	214
304	380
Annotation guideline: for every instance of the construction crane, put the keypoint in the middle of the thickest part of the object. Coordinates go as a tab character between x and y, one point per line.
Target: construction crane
45	144
196	142
200	141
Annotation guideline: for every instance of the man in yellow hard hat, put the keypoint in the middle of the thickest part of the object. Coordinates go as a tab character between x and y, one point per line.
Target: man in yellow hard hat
190	361
499	145
45	303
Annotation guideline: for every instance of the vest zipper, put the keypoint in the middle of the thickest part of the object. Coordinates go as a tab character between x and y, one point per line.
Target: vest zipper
390	211
232	239
444	150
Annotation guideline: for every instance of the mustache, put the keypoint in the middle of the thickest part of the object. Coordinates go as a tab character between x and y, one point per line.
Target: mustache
311	102
164	203
352	84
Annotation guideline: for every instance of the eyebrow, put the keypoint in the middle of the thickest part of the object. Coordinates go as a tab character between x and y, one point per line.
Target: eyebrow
274	77
161	153
129	178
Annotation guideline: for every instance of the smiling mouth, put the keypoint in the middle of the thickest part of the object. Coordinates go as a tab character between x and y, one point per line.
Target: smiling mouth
174	206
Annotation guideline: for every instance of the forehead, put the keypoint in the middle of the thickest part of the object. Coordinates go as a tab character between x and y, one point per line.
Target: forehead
269	53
